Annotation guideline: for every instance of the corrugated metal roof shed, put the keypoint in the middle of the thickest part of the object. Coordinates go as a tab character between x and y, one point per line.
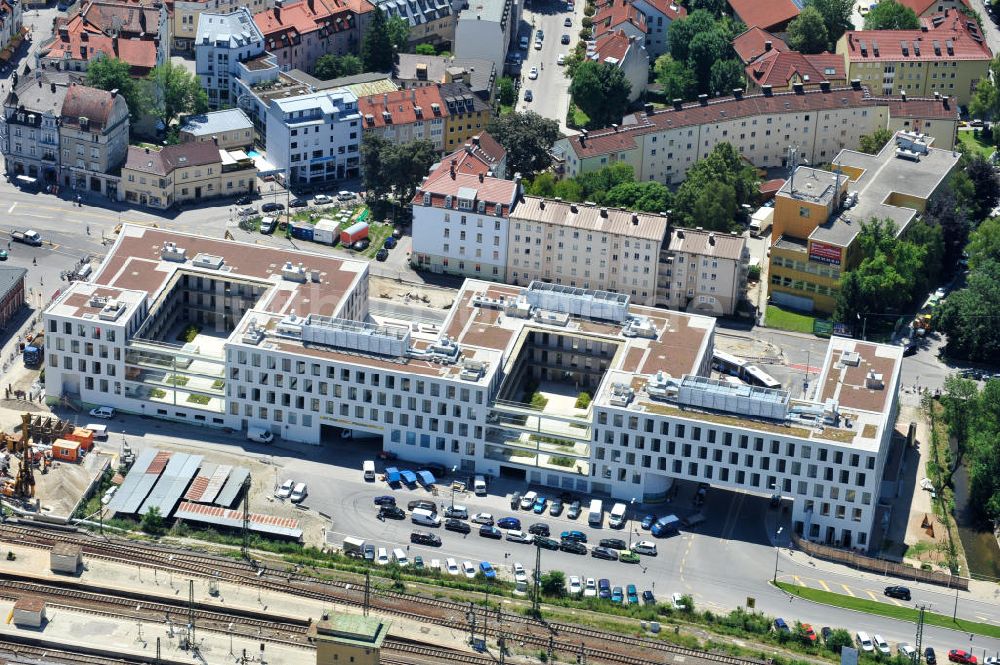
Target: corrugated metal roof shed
232	488
269	524
216	483
181	469
137	484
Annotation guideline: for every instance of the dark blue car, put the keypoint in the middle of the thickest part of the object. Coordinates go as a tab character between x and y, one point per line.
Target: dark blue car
578	536
389	243
647	522
509	523
604	589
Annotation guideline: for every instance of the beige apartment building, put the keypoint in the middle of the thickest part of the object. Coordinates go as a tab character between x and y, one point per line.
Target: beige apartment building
662	145
585	246
703	272
178	174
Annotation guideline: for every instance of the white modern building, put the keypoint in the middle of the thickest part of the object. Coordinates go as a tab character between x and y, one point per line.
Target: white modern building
222	42
487	29
316	137
235	335
461	222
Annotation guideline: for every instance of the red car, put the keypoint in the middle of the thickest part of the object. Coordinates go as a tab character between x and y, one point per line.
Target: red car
810	633
962	656
386	455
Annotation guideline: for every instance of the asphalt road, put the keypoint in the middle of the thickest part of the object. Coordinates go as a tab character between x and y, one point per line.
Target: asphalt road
551	88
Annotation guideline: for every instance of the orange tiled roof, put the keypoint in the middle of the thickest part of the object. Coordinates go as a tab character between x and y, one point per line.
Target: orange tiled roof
921	6
475	158
285	25
444	182
948	38
616	13
78	39
766	14
778	68
402	107
752	44
669	8
612	45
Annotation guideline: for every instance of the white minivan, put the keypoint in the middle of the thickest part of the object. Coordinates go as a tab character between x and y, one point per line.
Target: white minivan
368	467
425	517
864	642
616	519
399	558
479	485
259	434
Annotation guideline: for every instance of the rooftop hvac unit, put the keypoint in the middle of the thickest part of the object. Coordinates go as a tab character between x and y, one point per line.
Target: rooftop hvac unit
112	310
293	273
874	381
661	386
208	261
640	326
444	350
472	370
253	334
851	358
291	325
621	394
97	301
171	252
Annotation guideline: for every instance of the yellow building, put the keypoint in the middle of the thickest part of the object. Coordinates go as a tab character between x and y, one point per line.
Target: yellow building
818	215
164	177
348	638
947	55
467	115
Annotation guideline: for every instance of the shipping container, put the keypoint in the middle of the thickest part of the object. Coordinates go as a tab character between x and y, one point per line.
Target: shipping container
84	436
302	231
354	233
326	232
65	450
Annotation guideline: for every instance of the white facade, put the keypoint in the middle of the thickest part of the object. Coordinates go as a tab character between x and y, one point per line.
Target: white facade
487	31
316	137
222	42
659	15
293	349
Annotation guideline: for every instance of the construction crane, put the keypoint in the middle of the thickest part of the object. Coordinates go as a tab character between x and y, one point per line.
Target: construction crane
24	483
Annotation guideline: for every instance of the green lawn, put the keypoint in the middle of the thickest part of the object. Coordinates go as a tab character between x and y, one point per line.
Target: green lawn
577	118
972	144
888	610
784	319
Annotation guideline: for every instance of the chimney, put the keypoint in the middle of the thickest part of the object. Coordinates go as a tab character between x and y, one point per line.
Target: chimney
766	89
541	204
635	219
902	94
703	99
604	212
114	93
678	104
475	140
798	88
648	108
856	84
52	86
277	13
583	138
468	148
738	93
147	151
824	86
613	126
573	208
768	45
711	238
923	28
480	177
937	95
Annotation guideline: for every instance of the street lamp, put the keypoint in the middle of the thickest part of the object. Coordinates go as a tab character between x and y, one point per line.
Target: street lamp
631	510
453	470
777	549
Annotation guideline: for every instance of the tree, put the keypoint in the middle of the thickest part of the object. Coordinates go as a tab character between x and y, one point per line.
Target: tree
984	243
985	184
714	189
401	166
725	75
595	184
714	7
175	91
507	94
398	29
553	583
543	184
113	74
152	521
836	17
807	32
874	142
643	196
675	77
682	31
951	209
425	49
985	102
527	138
890	15
969	316
704	50
376	46
601	91
838	639
330	66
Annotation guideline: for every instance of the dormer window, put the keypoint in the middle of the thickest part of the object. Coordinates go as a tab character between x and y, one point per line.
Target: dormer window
427	198
482	207
447	201
465	204
498	210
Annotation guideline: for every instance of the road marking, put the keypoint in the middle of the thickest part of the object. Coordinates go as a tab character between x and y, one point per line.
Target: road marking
871	594
824	585
11	208
896	602
798	580
31	214
847	589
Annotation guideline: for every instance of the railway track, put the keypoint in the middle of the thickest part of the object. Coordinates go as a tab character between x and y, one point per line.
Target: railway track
595	645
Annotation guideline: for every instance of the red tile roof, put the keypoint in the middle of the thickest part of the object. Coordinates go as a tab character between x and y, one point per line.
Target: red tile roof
163	161
766	14
476	158
614	45
616	13
751	44
952	39
284	26
669	8
88	35
921	6
84	102
779	68
402	106
444	182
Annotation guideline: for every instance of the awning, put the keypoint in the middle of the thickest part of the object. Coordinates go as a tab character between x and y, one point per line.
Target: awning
426	477
391	475
408	476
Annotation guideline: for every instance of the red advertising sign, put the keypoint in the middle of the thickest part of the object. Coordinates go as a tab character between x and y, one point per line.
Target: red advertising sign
820	251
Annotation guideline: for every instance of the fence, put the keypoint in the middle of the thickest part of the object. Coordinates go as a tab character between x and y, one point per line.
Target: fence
881	566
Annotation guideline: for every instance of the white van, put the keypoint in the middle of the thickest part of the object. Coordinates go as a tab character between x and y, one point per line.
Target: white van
368	466
425	517
864	642
479	485
259	434
596	514
399	558
100	431
616	519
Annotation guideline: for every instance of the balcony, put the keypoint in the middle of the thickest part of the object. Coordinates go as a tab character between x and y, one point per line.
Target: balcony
539	460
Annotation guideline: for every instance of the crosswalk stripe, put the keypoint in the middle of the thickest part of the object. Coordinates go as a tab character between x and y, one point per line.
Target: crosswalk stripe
847	589
824	585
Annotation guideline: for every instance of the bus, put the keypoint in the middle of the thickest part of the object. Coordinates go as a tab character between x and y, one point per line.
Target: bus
727	363
755	376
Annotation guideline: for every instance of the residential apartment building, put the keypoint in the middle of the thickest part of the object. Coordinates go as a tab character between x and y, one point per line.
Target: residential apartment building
315	138
299	356
947	55
11	293
460	223
703	272
818	215
627	53
659	15
412	70
662	145
487	30
467	115
179	174
136	32
772	16
301	31
93	139
928	8
782	70
11	24
619	16
482	154
229	129
31	128
585	246
223	41
407	115
184	18
431	21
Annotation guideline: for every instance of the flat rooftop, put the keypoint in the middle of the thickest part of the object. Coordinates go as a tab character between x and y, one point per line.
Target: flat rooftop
86	300
812	185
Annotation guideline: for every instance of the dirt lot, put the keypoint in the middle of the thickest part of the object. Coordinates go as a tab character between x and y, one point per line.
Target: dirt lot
390	289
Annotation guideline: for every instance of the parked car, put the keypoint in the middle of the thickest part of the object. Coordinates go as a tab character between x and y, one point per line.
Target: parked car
418	562
457	512
457	526
546	543
515	536
468	569
244	200
490	531
390	243
677	602
962	656
368	551
826	632
515	500
486	568
285	490
578	536
631	594
901	592
298	203
322	200
564	39
103	412
574	510
533	73
590	588
908	652
299	493
648	598
382	254
617	596
561	60
424	538
382	558
539	506
575	585
528	95
509	523
520	575
647	522
605	553
482	518
568	22
385	500
613	543
528	500
420	503
555	510
929	656
539	529
361	245
604	589
810	634
344	195
646	547
392	512
272	207
573	547
452	567
627	556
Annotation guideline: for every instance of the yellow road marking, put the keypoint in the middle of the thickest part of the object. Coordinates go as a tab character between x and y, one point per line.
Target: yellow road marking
824	585
847	589
871	594
798	580
896	602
